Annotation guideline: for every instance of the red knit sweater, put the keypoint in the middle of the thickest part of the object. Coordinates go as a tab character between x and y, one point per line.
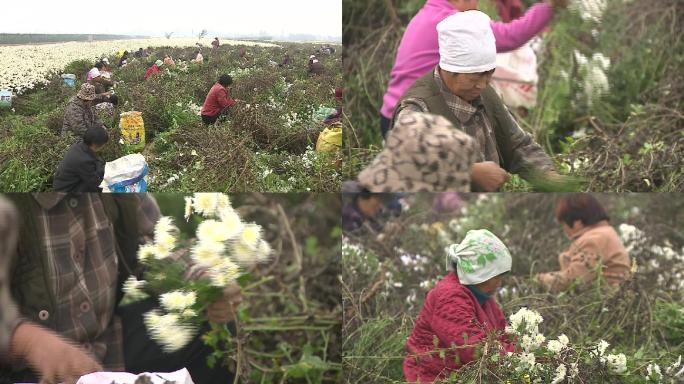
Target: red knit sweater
449	311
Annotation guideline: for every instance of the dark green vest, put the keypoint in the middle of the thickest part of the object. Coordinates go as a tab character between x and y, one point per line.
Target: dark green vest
426	90
29	278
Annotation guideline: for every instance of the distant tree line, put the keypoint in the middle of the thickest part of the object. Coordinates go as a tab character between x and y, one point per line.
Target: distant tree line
21	38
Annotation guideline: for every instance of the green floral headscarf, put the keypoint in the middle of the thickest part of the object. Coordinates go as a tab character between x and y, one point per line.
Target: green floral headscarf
479	257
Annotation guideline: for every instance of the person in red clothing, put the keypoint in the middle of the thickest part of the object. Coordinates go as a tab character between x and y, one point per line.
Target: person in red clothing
460	304
153	69
218	101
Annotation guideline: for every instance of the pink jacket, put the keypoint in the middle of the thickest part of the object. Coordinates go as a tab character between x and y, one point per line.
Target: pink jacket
450	310
418	51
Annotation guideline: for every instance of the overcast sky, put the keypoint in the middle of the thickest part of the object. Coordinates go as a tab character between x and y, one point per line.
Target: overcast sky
154	18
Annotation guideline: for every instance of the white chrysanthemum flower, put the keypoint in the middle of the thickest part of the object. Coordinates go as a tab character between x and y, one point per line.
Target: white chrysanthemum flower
532	342
188	313
188	207
264	251
616	363
589	10
212	231
527	360
206	204
580	58
224	274
653	372
525	321
146	252
564	340
554	346
161	251
601	60
168	331
674	366
251	235
208	253
595	84
177	301
600	348
164	226
574	370
231	221
152	320
561	371
133	288
166	240
244	255
223	202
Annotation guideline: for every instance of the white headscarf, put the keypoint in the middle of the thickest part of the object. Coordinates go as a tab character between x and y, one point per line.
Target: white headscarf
466	43
479	257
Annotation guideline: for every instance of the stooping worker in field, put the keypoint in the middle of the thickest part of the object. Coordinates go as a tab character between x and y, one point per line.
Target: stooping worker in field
418	50
215	44
458	89
168	61
362	207
423	153
124	59
460	311
315	66
74	253
199	59
218	101
100	77
287	60
154	69
82	170
596	247
79	115
336	117
52	357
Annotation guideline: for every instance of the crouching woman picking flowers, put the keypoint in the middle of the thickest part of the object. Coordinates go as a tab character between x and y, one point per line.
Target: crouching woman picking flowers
460	311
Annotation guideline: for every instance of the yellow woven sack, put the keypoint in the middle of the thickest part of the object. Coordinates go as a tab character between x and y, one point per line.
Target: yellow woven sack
330	139
132	130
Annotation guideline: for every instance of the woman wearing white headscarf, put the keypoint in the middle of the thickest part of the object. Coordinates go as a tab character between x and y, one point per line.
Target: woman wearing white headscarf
460	304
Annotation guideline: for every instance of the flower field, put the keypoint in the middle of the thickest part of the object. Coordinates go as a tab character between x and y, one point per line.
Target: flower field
610	91
25	67
587	334
266	144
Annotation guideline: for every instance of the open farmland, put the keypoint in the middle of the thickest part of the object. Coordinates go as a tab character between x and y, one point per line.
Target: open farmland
267	144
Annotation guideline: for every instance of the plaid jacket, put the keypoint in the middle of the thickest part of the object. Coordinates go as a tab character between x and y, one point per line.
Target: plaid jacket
77	243
9	316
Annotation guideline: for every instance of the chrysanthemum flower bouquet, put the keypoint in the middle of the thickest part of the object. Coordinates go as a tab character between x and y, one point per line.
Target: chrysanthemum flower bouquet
224	249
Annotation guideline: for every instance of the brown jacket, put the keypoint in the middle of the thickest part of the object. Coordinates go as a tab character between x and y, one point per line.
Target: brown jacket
594	245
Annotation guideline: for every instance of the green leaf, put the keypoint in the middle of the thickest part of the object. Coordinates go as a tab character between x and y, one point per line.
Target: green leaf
308	364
